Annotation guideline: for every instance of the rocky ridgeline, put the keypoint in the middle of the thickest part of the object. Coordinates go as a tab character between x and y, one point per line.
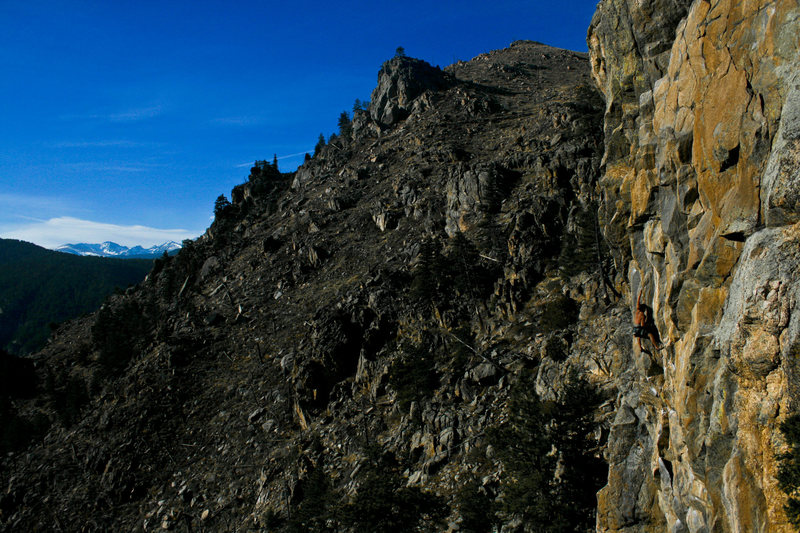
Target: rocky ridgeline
367	314
428	325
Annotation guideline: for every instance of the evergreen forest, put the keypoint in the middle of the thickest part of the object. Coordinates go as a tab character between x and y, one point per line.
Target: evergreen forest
40	288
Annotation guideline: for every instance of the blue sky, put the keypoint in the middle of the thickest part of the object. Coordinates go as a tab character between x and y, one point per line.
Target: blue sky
124	120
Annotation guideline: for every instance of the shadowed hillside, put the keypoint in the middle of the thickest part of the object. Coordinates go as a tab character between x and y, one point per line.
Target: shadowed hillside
349	344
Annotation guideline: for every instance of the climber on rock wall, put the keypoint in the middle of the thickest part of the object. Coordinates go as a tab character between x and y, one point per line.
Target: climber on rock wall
643	325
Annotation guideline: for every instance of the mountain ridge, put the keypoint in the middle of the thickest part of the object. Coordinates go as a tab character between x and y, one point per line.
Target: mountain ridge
340	285
112	249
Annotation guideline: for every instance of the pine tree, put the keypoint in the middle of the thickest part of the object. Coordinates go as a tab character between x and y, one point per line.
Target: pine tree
584	249
275	161
424	283
221	205
384	502
465	275
579	252
400	52
553	467
345	126
477	509
320	144
789	468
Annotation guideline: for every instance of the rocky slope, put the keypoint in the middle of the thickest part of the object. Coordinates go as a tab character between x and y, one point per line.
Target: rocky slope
428	325
367	314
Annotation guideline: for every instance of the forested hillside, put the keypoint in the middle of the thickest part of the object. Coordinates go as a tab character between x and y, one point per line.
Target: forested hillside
40	288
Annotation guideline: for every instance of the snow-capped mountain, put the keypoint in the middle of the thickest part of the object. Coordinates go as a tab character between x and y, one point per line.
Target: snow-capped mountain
112	249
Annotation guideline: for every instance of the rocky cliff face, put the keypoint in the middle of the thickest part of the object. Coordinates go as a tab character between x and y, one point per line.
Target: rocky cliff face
699	193
428	325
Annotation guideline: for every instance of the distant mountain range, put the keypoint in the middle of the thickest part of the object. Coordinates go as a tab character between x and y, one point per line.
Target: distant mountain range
39	287
112	249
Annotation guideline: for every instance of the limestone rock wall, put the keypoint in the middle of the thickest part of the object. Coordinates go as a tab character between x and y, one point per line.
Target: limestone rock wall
700	199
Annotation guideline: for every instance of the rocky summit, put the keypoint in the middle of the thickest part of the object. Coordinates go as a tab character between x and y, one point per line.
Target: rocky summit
429	325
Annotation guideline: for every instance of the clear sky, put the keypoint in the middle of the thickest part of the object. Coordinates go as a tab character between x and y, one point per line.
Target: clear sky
124	120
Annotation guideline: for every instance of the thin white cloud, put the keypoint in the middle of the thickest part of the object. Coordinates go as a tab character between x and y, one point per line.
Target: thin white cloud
294	155
128	115
137	114
247	165
29	203
122	166
118	143
239	121
126	169
63	230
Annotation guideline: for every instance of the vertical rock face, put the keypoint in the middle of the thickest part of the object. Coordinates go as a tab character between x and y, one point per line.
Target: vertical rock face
400	81
700	197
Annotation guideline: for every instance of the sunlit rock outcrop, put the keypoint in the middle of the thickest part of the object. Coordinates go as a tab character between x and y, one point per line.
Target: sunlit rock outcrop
700	194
